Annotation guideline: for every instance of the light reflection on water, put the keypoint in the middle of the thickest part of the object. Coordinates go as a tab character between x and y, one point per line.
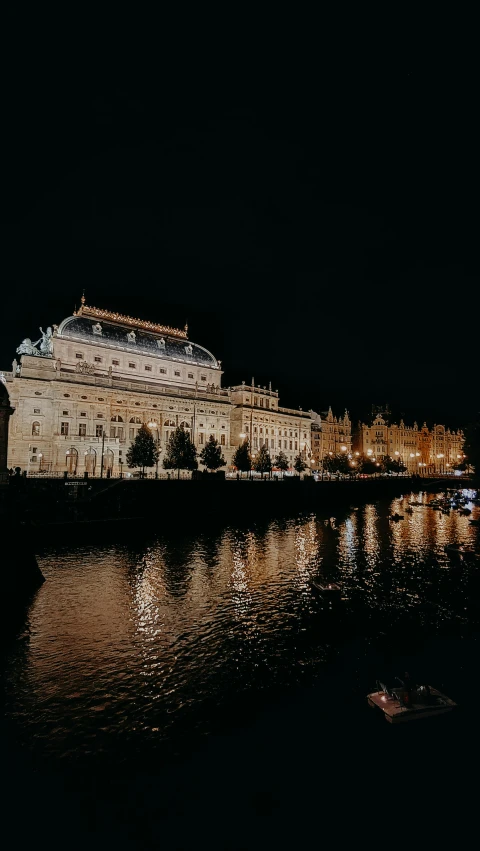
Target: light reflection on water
134	643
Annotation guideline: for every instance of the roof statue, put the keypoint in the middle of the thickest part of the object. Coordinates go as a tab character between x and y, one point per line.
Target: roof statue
26	347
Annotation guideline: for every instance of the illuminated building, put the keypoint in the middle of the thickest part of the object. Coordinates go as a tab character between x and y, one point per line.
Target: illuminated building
420	450
331	435
258	417
82	391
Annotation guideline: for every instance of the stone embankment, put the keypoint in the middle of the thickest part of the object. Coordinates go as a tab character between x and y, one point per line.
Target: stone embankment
56	505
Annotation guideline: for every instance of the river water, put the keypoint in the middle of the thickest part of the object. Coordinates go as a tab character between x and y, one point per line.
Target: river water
167	647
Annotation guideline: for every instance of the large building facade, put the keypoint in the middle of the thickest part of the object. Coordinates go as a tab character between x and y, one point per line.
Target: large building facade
257	416
78	396
83	390
421	450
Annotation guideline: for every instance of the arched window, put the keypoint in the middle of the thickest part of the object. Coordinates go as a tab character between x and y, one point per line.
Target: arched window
169	424
136	420
35	429
185	425
117	419
71	458
108	461
90	461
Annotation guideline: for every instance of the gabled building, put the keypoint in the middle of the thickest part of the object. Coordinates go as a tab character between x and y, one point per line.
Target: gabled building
420	450
331	435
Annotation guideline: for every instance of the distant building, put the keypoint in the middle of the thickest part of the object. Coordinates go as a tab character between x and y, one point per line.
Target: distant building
331	435
420	450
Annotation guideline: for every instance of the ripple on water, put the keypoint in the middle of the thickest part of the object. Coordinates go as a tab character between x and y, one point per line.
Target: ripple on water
144	642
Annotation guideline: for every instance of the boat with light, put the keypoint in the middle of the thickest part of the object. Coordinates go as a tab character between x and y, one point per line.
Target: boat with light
328	589
401	704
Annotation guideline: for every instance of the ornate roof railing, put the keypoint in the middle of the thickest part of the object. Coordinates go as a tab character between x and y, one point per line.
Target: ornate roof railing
120	319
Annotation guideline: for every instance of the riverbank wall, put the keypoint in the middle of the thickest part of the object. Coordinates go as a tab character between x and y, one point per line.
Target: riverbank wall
54	506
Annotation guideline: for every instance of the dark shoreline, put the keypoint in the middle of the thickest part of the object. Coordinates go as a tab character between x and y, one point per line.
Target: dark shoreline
51	510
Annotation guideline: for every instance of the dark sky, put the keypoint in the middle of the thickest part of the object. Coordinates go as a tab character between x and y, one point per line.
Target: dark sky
323	237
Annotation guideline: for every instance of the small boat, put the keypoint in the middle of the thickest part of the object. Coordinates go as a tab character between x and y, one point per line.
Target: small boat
330	589
402	704
396	516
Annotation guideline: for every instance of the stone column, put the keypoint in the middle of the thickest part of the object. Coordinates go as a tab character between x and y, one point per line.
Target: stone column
5	413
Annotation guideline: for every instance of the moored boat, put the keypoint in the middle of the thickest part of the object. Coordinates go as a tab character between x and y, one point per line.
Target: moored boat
409	704
330	588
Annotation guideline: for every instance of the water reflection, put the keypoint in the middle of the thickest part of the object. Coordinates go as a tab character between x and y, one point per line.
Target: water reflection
136	641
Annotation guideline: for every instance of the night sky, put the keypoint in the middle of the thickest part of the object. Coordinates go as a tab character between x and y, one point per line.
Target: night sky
323	238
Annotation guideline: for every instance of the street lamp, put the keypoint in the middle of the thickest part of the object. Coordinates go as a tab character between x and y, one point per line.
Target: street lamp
103	452
153	425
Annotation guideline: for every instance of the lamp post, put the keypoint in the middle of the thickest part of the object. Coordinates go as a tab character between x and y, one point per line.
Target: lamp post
103	447
153	425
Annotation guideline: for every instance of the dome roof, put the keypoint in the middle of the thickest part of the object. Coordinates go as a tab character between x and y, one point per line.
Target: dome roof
131	336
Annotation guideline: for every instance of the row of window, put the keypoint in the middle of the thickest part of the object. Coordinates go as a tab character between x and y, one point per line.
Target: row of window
265	442
148	368
259	430
116	431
